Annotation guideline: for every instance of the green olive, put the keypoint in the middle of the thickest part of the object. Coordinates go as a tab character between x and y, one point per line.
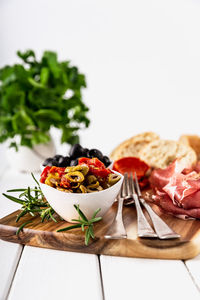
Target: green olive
90	179
75	185
83	188
81	168
69	169
113	178
93	185
75	176
64	190
99	188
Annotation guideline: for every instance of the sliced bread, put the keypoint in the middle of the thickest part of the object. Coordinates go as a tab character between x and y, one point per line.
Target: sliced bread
133	145
160	153
193	141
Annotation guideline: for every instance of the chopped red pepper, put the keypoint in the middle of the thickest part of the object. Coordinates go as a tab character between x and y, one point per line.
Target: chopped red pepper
58	170
131	165
45	174
96	167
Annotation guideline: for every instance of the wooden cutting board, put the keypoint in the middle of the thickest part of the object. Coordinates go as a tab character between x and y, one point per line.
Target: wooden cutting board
44	235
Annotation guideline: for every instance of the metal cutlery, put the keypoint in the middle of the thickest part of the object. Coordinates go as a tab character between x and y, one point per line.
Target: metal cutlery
162	230
117	229
131	192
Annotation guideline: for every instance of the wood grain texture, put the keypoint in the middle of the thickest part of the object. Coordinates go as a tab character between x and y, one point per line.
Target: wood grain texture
45	235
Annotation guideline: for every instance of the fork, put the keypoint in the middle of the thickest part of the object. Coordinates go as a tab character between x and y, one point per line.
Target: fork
144	229
162	230
117	229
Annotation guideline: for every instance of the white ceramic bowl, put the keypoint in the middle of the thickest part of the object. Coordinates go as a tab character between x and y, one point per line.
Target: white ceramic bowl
63	203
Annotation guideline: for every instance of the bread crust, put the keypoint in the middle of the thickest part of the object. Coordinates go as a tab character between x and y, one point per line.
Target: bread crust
192	141
133	145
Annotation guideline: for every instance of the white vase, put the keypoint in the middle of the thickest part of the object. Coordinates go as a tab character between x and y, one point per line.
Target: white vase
29	160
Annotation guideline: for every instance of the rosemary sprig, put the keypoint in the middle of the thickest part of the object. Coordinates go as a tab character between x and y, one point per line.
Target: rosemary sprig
83	222
33	203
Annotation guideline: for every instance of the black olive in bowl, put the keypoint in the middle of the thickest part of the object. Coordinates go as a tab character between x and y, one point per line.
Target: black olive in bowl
95	153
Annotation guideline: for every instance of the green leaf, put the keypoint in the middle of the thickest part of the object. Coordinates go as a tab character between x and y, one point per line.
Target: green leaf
69	228
50	58
96	212
22	226
44	76
81	214
36	181
95	220
14	199
87	236
91	231
23	213
26	56
48	114
16	190
35	83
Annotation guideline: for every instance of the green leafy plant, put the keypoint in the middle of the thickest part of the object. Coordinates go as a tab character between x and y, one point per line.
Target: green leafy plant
34	203
84	222
36	95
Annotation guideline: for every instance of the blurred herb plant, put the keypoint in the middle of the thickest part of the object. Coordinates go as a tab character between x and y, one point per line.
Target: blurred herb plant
36	95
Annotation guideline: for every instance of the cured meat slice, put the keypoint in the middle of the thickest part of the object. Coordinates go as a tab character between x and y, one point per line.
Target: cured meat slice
161	177
166	204
175	192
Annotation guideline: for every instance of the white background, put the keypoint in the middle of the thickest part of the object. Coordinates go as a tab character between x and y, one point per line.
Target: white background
141	58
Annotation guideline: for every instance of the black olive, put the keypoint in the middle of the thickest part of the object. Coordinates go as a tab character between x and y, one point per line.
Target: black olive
57	157
55	162
85	152
95	153
64	161
106	161
76	151
48	162
74	162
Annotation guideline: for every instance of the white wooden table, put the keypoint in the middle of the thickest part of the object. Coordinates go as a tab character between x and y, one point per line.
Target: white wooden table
29	273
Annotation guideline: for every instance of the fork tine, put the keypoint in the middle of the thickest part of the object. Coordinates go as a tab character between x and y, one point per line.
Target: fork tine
137	186
124	189
131	184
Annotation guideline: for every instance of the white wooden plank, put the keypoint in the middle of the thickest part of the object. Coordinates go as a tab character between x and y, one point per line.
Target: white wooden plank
9	256
52	274
193	266
9	252
131	278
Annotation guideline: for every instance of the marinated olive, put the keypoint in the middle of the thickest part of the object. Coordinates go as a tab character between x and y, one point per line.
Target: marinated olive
75	176
91	179
74	162
113	178
93	185
82	168
55	161
95	153
83	188
106	161
48	162
64	161
76	151
85	152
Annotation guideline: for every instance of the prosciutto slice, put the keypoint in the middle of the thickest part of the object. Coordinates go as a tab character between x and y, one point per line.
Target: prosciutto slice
177	191
166	205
